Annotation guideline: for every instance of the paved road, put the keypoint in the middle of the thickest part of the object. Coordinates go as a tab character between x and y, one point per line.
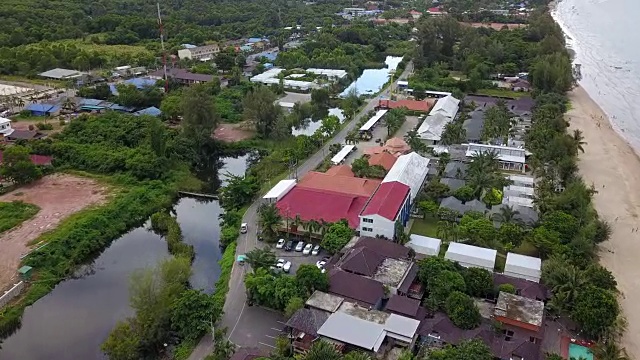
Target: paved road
236	318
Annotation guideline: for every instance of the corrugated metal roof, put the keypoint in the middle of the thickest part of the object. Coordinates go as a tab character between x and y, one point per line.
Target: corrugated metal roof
387	200
315	204
352	330
410	169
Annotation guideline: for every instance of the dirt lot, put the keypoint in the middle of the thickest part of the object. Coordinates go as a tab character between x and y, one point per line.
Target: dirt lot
58	196
231	132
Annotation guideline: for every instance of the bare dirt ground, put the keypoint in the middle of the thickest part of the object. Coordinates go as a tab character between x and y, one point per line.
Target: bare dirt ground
58	196
611	165
231	132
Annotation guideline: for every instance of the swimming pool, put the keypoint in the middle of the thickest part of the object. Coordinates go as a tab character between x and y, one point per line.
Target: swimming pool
579	352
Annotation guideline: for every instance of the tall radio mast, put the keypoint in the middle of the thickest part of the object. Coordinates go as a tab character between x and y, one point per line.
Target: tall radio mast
164	53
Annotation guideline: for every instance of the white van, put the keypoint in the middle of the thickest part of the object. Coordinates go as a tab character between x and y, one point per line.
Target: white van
243	228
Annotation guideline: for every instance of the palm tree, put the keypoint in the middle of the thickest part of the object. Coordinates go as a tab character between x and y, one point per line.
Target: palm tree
19	102
260	258
224	349
565	282
356	355
506	215
578	140
69	105
447	231
479	181
322	350
297	222
609	350
270	220
313	227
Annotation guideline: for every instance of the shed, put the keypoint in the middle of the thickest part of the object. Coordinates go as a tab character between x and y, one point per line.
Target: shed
281	189
43	109
25	272
523	267
424	245
471	256
151	111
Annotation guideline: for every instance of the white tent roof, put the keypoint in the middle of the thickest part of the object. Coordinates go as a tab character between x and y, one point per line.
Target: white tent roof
337	159
280	190
354	331
471	256
524	267
369	124
410	169
447	106
424	245
433	126
330	73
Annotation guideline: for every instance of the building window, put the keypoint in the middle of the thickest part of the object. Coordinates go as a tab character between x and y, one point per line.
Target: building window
367	220
367	229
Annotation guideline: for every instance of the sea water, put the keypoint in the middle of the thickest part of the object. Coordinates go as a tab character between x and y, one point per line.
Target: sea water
605	37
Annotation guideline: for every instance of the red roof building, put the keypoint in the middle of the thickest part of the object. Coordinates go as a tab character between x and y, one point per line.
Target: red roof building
40	160
340	170
388	205
383	159
318	204
338	183
422	106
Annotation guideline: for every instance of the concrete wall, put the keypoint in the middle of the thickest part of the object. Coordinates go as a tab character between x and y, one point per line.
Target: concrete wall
11	293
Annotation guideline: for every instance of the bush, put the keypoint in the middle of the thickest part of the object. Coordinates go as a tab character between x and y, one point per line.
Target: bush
507	288
42	126
14	213
222	285
462	311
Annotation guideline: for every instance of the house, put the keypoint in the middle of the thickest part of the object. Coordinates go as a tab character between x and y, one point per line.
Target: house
526	288
447	106
432	128
24	135
340	170
436	11
404	306
415	14
385	248
150	111
510	158
303	327
411	170
364	291
281	189
202	53
394	146
453	184
93	105
389	205
383	159
524	214
182	76
519	311
453	204
524	267
471	256
5	127
418	106
141	82
324	301
424	245
43	109
455	170
62	74
340	183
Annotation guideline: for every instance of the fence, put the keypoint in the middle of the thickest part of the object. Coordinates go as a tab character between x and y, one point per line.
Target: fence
11	293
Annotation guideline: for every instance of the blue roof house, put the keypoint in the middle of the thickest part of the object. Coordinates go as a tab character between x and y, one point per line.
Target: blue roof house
151	111
141	83
43	109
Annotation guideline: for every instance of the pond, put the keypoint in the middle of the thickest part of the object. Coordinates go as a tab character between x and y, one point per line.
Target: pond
310	127
372	80
74	319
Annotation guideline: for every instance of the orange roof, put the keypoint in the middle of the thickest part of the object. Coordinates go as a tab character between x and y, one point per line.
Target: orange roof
383	159
412	105
341	170
396	144
373	150
341	184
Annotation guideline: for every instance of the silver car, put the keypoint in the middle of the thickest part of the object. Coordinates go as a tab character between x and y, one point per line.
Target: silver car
300	246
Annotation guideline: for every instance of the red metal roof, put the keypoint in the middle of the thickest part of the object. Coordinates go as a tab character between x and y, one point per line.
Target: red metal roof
36	159
340	184
413	105
314	204
340	170
383	159
388	200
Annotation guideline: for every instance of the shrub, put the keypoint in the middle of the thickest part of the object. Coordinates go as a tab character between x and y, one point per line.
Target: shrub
42	126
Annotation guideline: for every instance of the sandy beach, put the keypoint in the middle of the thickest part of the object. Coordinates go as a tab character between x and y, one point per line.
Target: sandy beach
611	165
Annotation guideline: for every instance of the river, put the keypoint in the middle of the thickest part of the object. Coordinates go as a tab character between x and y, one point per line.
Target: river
74	319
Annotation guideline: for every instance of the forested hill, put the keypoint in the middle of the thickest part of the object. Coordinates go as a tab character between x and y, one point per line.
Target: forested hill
132	21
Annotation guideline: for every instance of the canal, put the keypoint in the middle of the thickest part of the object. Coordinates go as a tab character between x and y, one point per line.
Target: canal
73	320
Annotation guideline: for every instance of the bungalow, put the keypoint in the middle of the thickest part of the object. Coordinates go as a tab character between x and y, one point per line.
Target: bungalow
43	109
510	158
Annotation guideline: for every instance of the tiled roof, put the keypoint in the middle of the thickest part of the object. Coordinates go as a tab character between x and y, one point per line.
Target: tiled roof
340	170
412	105
341	184
526	288
330	206
403	305
383	247
362	261
36	159
308	320
355	287
387	201
383	159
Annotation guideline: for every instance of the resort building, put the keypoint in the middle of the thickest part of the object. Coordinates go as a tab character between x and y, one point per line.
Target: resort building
442	113
519	311
411	170
524	267
202	53
510	158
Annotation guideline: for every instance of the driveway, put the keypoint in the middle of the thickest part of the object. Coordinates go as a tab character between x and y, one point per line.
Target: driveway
236	317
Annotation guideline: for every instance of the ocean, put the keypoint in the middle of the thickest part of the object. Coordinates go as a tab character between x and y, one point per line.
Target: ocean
605	37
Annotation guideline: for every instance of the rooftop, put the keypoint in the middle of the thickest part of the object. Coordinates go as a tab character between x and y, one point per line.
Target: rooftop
424	245
355	287
59	73
383	247
340	170
392	271
455	170
361	261
433	126
308	321
352	330
529	262
383	159
410	169
453	184
387	200
520	308
403	305
340	184
447	106
526	288
411	105
364	313
324	301
282	187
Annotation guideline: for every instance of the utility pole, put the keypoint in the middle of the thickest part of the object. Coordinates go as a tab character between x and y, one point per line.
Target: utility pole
164	53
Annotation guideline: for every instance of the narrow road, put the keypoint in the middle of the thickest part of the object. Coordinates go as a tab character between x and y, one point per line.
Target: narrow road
235	304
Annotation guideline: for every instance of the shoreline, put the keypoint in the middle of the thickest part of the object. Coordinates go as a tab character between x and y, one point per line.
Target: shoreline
613	167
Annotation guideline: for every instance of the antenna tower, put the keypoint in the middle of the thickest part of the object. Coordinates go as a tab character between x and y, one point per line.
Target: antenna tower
164	53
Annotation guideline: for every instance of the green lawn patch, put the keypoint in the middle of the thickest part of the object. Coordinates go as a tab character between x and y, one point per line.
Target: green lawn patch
425	227
501	260
503	93
15	213
526	248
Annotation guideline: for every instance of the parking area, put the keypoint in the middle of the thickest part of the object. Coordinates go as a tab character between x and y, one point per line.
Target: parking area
258	325
297	258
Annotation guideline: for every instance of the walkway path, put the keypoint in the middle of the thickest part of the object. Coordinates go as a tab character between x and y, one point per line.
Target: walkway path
235	315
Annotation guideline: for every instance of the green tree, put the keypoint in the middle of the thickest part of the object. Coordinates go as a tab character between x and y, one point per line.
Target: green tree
337	236
200	117
545	240
294	304
270	220
609	350
445	283
511	235
464	193
239	191
260	258
454	133
192	314
356	355
479	282
462	311
506	215
470	349
564	224
478	231
123	342
601	277
310	278
431	267
322	350
17	166
552	73
595	311
507	288
171	106
261	111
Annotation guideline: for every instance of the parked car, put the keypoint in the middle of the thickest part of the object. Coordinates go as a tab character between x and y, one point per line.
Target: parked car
280	263
320	264
286	266
300	246
289	246
244	228
280	244
307	249
316	250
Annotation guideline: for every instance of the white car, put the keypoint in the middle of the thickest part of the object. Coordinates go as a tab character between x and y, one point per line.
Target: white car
307	249
286	266
300	246
280	244
280	263
243	228
316	250
321	263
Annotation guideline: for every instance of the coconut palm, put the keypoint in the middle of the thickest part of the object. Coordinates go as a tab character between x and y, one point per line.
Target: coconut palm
565	282
506	215
447	231
609	350
313	226
297	222
357	355
19	102
224	349
322	350
69	105
270	220
260	258
578	140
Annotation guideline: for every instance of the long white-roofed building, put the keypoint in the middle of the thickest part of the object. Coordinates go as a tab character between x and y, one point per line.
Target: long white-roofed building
442	113
281	189
523	267
510	158
410	169
447	106
471	256
424	245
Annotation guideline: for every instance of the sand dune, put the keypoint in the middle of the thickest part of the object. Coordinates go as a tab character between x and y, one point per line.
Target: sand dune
611	165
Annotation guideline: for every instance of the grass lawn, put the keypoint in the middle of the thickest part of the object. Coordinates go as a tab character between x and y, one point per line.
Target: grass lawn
501	260
502	93
14	213
425	227
526	248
